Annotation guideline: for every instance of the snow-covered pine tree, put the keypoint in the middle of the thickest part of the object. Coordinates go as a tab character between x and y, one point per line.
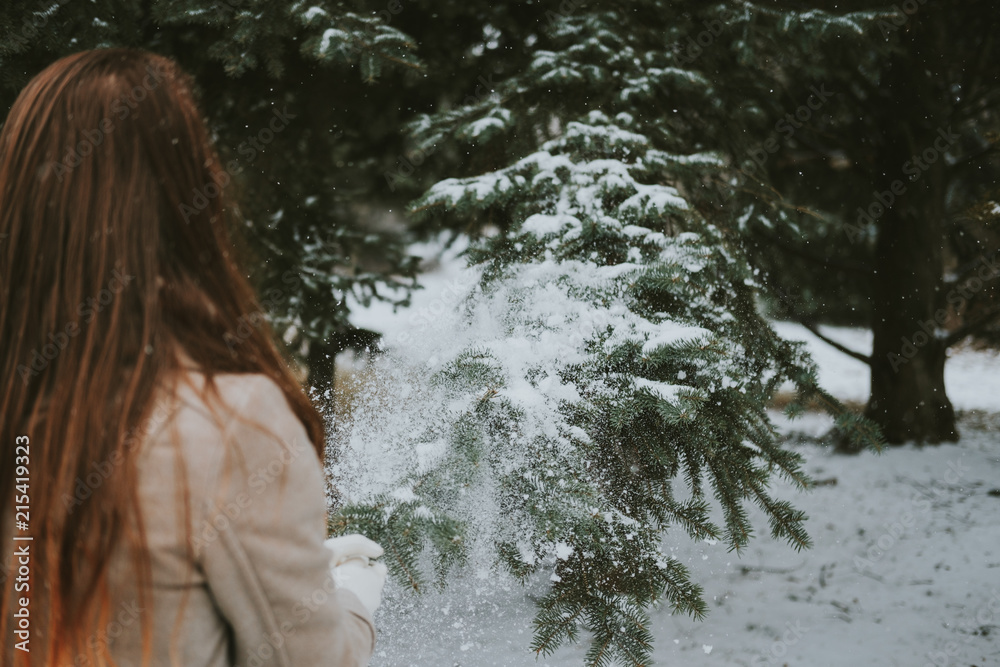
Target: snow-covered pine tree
612	372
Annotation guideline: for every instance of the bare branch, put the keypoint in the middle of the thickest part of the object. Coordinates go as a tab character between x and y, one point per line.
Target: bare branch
972	327
829	341
992	149
854	267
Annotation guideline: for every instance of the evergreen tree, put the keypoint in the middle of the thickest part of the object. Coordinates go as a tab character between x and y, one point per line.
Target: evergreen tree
819	108
611	346
867	142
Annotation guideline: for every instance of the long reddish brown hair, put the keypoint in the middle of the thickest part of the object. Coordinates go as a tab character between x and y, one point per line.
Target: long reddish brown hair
114	253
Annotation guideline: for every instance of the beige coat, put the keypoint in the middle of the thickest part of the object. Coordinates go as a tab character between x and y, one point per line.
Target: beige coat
257	582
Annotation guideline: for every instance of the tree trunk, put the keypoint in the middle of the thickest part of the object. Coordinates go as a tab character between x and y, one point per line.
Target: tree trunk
322	362
322	358
908	397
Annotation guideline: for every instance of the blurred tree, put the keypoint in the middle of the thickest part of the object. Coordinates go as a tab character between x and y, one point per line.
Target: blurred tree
305	137
867	142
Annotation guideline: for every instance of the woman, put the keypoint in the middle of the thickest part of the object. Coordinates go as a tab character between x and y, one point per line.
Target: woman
162	493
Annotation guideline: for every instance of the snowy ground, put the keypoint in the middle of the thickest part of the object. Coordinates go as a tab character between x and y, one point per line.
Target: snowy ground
905	567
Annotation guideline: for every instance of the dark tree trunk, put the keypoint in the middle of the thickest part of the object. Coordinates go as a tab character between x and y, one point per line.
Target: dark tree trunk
908	397
322	363
322	358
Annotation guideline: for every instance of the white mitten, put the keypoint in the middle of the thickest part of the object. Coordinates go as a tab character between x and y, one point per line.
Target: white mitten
352	569
365	581
346	547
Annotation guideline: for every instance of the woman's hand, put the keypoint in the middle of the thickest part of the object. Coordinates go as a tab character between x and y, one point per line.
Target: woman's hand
353	570
346	547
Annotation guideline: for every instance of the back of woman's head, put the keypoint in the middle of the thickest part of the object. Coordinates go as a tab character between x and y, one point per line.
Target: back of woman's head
114	254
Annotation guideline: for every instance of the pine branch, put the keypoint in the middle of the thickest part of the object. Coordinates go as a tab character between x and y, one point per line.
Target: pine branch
791	472
400	61
971	328
785	521
597	660
544	645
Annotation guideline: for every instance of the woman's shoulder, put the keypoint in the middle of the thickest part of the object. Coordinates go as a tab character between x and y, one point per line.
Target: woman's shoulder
235	393
236	446
245	413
